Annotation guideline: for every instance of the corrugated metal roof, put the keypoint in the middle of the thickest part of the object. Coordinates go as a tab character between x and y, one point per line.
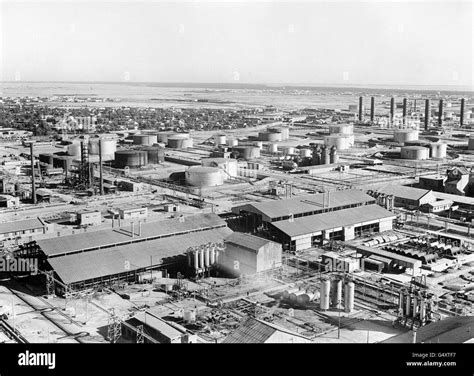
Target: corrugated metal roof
402	191
251	331
27	224
109	261
110	237
247	241
335	219
306	203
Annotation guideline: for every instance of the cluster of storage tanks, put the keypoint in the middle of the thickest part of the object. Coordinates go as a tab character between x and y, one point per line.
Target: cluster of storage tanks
341	136
332	295
108	147
170	139
419	152
295	296
416	304
324	155
202	258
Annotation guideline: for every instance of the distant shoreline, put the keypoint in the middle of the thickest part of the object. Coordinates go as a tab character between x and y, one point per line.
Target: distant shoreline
379	87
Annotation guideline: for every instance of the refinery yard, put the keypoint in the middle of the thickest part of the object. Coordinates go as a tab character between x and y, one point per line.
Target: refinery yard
209	224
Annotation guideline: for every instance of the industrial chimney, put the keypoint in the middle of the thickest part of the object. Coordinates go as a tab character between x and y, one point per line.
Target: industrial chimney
440	113
392	109
427	113
372	108
361	104
404	114
461	115
33	186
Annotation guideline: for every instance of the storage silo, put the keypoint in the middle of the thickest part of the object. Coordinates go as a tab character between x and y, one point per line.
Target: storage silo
403	135
109	147
220	139
163	136
349	291
438	150
130	158
289	150
144	139
334	157
305	153
284	131
414	152
198	176
336	296
324	294
156	154
196	259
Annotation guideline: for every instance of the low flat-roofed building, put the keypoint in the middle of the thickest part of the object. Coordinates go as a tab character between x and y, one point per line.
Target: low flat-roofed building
437	206
248	254
432	182
89	217
133	212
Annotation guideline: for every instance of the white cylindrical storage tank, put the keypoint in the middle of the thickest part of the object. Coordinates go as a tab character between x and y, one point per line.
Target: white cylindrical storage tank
336	296
324	294
269	136
470	144
189	315
247	152
74	149
403	135
341	129
414	152
349	291
196	259
273	148
340	141
212	256
204	176
283	131
259	144
206	257
232	142
438	150
201	259
163	136
304	298
220	139
144	139
305	153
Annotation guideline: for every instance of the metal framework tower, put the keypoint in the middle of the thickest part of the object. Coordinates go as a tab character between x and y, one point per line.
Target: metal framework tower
140	338
114	330
50	286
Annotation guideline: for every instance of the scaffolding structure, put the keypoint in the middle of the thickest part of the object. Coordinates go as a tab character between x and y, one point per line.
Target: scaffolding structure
114	330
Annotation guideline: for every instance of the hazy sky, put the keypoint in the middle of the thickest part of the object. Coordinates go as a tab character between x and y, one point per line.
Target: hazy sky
315	42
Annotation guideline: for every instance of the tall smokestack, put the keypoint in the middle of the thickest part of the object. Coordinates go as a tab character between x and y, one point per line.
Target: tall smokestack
101	183
33	186
361	104
461	115
440	113
404	114
427	113
372	108
392	109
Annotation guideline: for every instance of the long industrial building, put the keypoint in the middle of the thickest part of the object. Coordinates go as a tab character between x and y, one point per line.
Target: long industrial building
300	223
123	253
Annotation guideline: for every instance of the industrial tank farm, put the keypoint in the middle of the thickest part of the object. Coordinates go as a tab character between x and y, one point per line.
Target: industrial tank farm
155	154
179	142
203	177
405	135
108	145
270	136
145	139
247	152
130	158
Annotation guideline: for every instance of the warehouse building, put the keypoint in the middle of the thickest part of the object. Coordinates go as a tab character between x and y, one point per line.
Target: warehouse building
104	256
346	224
248	254
408	197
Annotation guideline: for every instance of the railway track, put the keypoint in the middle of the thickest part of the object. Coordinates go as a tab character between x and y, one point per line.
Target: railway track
11	332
